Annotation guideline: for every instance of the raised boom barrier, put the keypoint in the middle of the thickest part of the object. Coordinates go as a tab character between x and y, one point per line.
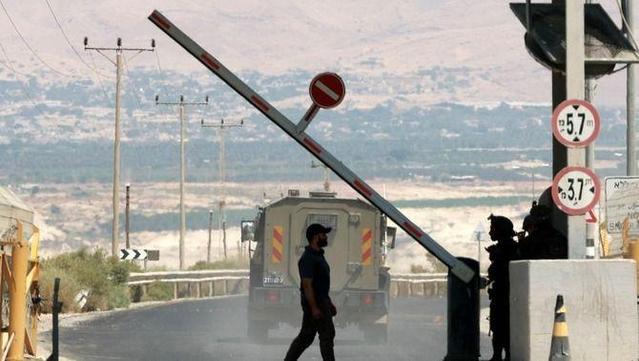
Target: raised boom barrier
457	267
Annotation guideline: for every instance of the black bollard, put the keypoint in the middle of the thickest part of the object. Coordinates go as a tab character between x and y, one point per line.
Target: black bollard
463	316
55	310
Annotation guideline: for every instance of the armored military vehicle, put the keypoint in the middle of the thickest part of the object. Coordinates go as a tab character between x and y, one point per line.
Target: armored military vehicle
356	251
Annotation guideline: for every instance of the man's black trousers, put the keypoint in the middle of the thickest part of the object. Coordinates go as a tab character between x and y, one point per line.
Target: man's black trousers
310	326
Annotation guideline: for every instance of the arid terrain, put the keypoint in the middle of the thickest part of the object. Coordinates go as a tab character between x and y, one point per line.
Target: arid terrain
74	216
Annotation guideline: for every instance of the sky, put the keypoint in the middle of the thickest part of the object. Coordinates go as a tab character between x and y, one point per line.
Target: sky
368	38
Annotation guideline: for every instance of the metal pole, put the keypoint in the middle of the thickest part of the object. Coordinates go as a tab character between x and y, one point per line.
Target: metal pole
115	227
57	307
222	190
182	178
590	160
116	157
208	247
224	237
18	294
181	105
631	138
478	235
574	226
126	214
591	228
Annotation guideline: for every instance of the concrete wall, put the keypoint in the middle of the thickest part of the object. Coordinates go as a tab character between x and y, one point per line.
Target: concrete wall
601	308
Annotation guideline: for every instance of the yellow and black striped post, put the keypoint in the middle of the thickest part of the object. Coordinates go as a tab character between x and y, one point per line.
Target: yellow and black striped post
559	347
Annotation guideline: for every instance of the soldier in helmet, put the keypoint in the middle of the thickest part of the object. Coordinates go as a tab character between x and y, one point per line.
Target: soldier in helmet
501	253
542	241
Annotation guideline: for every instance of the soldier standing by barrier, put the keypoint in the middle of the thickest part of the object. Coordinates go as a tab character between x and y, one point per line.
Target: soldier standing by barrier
501	253
542	241
316	304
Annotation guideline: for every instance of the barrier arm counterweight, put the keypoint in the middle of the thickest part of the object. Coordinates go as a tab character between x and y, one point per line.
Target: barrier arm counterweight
457	267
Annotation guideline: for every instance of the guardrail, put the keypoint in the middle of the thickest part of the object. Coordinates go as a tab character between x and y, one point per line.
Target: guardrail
193	284
209	283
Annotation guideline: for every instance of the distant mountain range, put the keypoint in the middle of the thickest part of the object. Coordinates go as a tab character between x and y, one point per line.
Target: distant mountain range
439	89
409	53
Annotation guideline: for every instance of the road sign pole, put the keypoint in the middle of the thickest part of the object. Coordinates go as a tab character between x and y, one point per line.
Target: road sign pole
574	227
631	136
457	267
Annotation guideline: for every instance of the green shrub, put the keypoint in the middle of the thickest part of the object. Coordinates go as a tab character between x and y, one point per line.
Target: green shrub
102	276
158	291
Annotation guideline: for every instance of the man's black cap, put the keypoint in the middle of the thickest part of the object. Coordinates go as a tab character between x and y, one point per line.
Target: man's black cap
314	229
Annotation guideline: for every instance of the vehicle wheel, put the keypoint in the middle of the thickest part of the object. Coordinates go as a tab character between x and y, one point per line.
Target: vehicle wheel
376	334
257	331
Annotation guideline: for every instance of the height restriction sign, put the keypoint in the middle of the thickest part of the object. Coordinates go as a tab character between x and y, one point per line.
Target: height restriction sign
575	123
576	190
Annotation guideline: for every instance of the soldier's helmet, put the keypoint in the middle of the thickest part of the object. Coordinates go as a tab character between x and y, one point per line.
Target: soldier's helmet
502	226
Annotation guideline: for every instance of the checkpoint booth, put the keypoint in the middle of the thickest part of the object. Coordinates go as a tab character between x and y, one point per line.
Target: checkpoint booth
19	273
13	208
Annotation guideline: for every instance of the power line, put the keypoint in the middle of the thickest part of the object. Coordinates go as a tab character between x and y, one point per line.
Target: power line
15	27
106	95
24	88
163	76
8	61
128	75
66	38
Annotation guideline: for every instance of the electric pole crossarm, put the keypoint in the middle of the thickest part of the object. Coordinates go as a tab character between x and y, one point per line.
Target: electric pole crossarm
458	268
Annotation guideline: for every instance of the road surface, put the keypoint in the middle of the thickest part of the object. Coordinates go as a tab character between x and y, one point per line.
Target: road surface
215	329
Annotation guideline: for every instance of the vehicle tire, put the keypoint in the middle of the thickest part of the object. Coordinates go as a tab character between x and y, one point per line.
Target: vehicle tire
376	334
257	331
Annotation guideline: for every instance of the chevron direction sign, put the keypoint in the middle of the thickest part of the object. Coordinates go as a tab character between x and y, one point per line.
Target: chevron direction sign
139	254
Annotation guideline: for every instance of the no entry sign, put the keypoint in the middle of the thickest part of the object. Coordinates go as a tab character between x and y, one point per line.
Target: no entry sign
327	90
576	190
575	123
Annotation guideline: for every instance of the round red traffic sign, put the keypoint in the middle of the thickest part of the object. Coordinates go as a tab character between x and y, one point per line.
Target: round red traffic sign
327	90
575	123
576	190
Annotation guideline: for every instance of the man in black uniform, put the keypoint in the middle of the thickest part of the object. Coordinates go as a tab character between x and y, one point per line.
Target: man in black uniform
501	253
543	240
316	304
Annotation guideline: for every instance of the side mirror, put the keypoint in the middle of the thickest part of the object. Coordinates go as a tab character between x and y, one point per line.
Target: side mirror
390	236
248	231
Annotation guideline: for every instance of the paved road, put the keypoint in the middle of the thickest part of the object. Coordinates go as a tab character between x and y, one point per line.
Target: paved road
215	329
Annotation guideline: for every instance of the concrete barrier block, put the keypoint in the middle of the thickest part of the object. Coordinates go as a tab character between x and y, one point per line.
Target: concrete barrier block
601	308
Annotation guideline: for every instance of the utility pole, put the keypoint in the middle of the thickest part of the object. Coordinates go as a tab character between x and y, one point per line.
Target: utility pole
182	104
631	137
119	50
222	126
327	174
126	216
208	247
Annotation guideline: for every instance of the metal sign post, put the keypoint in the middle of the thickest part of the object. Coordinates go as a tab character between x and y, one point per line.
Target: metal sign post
457	267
